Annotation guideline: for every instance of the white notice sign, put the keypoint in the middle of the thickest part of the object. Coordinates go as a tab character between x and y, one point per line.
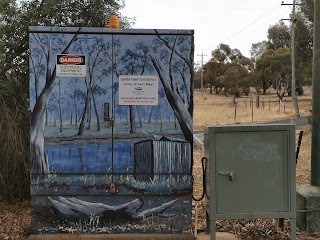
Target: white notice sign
138	90
71	65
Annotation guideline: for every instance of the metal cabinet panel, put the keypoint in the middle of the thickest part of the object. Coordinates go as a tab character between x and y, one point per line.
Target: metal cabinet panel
260	178
250	173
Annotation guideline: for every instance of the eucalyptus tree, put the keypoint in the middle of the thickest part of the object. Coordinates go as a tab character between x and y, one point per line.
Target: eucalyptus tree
229	70
274	67
176	49
278	36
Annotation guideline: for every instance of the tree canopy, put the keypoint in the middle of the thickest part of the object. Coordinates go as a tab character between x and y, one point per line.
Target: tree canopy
228	70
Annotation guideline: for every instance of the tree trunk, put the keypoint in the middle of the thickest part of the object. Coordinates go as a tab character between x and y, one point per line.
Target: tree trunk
96	111
150	114
54	118
160	119
132	120
46	117
38	160
140	121
182	113
60	117
60	110
81	127
71	208
75	110
89	112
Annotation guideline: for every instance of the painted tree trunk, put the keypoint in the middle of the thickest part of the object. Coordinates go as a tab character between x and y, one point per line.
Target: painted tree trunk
72	207
75	110
46	117
38	160
81	127
184	117
60	117
150	115
160	119
96	111
89	113
132	120
140	121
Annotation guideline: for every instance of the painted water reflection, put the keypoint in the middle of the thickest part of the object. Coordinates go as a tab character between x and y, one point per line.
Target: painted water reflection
90	157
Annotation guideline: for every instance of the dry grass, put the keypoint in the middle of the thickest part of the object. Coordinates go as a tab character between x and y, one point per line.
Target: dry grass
15	221
212	109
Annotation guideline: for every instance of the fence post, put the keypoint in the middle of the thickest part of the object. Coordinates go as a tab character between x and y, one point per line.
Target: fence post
257	102
235	111
252	108
269	105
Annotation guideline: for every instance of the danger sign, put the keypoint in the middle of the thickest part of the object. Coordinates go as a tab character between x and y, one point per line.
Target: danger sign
71	65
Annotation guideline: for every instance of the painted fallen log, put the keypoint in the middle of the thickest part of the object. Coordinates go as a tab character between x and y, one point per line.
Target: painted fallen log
76	208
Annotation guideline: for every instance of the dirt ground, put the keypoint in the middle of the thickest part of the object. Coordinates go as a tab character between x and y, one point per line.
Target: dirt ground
211	109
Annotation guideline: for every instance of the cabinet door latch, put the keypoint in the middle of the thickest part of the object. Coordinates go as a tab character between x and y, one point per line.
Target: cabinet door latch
230	174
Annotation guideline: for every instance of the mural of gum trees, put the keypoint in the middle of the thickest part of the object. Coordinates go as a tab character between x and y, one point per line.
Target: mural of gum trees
135	61
39	161
68	196
95	59
182	104
76	98
58	98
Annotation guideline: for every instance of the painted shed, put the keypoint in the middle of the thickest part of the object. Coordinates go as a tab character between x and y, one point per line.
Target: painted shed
161	157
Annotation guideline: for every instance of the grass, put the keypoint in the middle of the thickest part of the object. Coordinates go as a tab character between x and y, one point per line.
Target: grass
215	109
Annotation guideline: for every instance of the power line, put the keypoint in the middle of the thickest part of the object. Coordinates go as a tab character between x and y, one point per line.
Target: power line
261	26
257	30
255	21
268	12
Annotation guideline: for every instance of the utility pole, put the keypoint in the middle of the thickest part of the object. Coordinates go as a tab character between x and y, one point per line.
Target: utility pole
202	72
315	150
293	59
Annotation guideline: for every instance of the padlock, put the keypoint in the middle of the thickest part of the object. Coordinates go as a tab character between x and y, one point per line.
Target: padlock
112	188
111	122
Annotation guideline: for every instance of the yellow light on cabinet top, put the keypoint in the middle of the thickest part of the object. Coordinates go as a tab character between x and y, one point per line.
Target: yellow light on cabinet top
113	22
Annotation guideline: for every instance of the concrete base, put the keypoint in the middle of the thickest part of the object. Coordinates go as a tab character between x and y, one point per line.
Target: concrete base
308	208
200	236
111	237
219	236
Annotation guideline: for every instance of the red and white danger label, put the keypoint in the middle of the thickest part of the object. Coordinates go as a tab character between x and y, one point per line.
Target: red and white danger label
71	65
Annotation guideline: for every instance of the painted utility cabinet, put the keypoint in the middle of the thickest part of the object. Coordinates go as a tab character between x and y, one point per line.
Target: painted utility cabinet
251	173
111	130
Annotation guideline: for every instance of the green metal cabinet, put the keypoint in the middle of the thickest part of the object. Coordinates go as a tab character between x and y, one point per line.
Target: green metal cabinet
251	173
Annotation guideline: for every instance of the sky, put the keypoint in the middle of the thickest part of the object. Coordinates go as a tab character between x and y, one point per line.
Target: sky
238	23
